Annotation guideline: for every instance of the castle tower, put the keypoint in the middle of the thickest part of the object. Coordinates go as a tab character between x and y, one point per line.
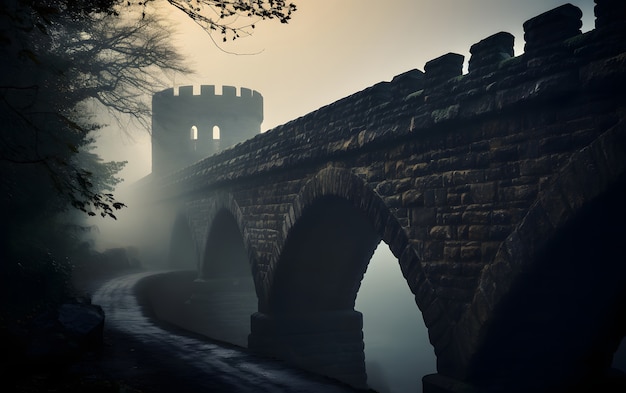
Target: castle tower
188	127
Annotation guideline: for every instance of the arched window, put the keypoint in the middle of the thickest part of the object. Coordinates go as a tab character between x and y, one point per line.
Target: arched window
216	132
193	133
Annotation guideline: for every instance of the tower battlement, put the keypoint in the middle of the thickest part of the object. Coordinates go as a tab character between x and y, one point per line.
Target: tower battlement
194	122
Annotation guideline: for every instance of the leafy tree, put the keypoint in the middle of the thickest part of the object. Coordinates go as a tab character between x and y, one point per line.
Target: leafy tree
62	62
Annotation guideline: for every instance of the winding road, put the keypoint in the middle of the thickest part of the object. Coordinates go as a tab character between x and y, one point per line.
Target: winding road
190	363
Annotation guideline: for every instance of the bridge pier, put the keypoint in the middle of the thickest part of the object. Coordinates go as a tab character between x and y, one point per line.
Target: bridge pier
328	343
223	307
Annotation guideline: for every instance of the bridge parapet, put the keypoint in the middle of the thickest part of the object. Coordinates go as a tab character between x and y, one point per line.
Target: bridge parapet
384	113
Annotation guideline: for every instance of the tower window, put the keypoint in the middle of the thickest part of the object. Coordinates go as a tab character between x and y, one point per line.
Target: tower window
193	135
216	132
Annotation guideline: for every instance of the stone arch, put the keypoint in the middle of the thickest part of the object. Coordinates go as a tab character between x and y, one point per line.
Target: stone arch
323	259
342	184
308	316
224	296
224	210
593	181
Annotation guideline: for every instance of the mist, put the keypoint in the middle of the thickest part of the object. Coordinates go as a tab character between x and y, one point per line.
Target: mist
397	350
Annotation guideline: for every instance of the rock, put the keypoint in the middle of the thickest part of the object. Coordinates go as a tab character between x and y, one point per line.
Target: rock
84	322
59	336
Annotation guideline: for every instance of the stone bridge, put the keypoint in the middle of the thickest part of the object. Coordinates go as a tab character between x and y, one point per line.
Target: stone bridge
501	193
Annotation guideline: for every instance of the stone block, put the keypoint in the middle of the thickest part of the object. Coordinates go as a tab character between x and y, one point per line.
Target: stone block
518	193
462	232
452	252
441	232
449	218
453	199
436	197
491	51
433	250
476	217
471	252
443	68
470	176
425	216
483	192
609	13
393	201
551	27
479	232
430	181
445	114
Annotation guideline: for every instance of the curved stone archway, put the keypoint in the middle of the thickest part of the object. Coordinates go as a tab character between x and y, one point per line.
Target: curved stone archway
225	255
224	295
341	183
328	238
561	251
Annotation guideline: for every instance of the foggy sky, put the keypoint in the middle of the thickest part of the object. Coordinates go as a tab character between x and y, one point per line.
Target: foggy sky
331	49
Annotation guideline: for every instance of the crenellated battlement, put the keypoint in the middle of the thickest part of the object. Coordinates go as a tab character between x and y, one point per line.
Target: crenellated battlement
241	96
210	90
193	122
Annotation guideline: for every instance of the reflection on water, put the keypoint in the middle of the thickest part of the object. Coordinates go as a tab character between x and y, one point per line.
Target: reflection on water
397	351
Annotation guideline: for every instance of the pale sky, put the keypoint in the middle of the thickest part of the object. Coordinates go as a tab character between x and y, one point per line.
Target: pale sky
331	49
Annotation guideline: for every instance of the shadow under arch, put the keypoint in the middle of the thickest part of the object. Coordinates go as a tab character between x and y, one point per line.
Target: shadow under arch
340	183
226	255
562	320
324	259
224	296
329	236
183	251
551	309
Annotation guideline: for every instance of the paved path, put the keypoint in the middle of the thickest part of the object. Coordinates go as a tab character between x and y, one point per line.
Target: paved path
163	360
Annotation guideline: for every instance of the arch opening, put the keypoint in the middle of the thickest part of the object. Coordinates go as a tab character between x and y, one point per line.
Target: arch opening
562	322
320	274
224	297
226	255
216	133
398	351
182	251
